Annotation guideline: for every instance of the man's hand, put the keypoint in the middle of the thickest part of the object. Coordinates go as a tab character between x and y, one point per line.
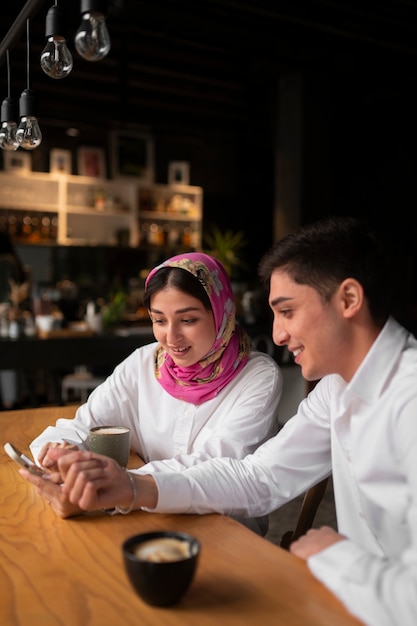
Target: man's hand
94	481
314	541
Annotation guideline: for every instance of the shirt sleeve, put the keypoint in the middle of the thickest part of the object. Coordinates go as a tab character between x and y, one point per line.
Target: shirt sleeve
64	430
278	471
381	589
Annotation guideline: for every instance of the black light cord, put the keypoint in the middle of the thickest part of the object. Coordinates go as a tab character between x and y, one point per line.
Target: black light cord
8	73
27	54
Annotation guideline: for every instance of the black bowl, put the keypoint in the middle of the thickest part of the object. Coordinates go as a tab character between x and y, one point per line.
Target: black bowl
160	583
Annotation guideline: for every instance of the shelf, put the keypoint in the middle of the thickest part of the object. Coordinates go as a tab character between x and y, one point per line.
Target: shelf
167	217
91	211
124	217
35	207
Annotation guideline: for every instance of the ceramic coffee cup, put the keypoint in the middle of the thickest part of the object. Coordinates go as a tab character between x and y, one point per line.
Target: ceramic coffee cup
161	565
112	441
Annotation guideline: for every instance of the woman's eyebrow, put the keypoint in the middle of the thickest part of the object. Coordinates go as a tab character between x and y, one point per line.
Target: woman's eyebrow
178	311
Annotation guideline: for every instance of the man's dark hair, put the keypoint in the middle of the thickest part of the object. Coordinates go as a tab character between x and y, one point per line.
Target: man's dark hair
324	253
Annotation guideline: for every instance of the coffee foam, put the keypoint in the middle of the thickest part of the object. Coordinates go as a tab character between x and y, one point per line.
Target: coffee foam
110	430
163	550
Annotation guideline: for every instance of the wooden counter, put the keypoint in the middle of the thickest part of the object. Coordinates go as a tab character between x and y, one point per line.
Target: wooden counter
56	572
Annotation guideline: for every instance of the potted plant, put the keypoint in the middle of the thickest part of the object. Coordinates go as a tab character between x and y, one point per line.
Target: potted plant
226	246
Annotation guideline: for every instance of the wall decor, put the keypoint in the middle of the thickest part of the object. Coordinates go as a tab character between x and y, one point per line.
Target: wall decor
132	155
91	161
19	162
178	173
60	161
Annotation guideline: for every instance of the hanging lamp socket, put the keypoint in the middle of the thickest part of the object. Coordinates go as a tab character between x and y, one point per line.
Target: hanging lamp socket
99	6
55	23
9	112
27	104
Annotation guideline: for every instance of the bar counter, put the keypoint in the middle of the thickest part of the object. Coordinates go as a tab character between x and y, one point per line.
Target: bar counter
58	355
70	572
66	352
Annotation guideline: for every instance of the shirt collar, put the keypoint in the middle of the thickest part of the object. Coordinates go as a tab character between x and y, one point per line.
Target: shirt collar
376	368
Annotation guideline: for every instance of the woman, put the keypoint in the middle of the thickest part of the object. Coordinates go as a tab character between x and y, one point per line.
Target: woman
198	392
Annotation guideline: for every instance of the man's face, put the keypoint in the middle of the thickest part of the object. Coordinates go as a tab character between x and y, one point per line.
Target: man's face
315	331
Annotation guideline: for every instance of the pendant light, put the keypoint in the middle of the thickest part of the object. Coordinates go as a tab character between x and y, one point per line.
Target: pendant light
92	40
56	59
8	124
28	133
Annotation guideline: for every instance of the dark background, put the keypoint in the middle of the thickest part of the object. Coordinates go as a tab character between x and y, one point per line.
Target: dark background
203	78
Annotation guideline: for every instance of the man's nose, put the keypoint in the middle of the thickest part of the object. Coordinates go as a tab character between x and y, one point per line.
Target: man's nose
279	335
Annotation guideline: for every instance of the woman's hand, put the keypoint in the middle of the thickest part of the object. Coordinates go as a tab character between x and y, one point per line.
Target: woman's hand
44	457
51	490
314	541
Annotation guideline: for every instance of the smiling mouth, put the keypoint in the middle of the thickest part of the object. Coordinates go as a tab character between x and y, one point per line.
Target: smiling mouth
179	350
297	351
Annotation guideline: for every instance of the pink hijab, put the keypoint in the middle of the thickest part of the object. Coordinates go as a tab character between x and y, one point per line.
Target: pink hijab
229	353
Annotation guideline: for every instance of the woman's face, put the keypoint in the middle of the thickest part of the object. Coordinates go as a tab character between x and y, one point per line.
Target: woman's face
182	325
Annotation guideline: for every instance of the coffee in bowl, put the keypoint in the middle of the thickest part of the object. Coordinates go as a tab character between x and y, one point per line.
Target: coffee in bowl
163	550
161	565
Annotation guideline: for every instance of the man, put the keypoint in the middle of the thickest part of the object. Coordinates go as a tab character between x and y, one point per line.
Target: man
329	296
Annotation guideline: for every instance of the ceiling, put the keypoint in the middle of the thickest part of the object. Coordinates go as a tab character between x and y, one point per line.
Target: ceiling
212	62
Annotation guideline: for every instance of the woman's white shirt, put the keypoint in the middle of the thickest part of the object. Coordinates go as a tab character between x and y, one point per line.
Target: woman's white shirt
171	434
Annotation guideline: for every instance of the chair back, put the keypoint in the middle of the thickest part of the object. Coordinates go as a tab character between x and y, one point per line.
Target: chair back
309	506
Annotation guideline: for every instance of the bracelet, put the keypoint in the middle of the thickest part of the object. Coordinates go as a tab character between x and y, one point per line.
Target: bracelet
125	511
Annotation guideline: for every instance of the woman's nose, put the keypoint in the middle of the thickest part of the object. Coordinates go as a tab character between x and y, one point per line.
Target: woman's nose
173	332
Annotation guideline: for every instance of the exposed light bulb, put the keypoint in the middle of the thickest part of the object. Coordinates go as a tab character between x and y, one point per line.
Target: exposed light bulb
56	59
28	132
8	139
8	127
92	39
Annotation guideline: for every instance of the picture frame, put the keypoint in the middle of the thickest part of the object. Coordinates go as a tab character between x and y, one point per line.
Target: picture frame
178	173
19	162
132	155
60	161
91	161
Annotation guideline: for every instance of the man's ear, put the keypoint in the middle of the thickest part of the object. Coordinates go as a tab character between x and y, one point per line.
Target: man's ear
351	297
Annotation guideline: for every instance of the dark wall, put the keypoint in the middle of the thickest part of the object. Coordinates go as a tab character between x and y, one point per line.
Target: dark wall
360	159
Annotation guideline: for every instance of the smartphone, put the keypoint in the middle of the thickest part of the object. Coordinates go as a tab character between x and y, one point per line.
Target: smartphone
24	460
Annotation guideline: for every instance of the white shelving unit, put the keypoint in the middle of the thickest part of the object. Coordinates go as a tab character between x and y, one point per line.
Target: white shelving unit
170	215
93	211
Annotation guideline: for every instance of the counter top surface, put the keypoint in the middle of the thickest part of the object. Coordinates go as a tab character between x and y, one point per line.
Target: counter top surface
59	572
